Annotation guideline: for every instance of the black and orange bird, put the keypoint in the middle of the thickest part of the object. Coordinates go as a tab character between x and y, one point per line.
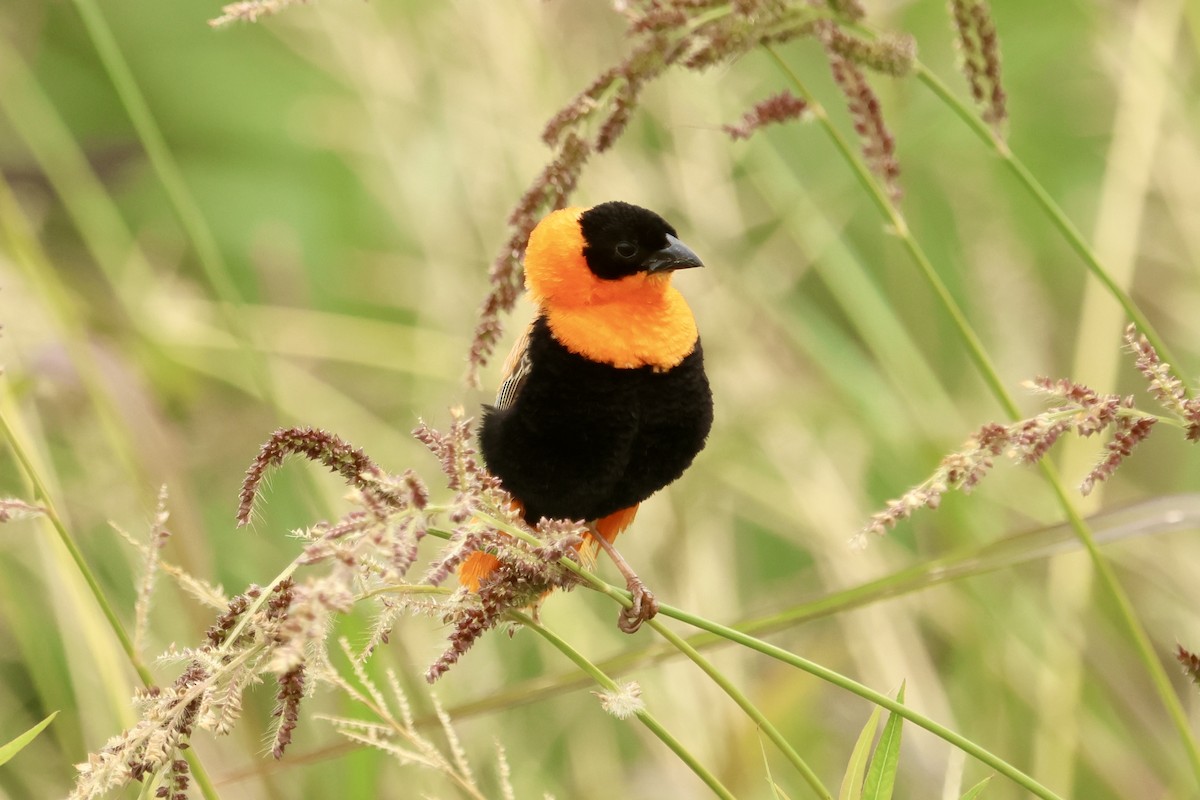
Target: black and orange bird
604	400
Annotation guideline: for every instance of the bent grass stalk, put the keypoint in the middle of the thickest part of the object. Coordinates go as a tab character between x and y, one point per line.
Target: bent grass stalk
644	716
601	677
994	141
622	597
1133	625
1153	517
841	681
1057	216
42	493
743	702
91	15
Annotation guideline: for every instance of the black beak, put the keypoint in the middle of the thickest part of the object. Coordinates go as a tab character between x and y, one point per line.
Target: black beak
676	255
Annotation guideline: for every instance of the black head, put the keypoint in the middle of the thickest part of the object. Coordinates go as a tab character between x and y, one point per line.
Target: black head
622	239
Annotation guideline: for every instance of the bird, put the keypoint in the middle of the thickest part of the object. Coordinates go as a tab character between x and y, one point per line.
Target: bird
604	399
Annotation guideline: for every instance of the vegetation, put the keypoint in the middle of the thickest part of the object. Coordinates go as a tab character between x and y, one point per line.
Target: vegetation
210	232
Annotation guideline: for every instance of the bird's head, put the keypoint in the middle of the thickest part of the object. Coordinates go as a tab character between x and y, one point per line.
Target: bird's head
610	252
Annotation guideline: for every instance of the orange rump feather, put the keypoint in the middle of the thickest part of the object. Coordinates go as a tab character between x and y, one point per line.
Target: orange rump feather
476	567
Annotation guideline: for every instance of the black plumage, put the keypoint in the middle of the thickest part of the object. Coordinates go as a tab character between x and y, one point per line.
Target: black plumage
620	238
581	439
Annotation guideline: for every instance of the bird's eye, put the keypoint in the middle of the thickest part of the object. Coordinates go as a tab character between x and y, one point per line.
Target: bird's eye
626	249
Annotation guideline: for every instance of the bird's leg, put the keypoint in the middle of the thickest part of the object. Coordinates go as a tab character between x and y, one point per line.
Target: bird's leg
644	605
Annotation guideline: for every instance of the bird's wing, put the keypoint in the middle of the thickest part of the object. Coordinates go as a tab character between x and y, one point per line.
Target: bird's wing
516	370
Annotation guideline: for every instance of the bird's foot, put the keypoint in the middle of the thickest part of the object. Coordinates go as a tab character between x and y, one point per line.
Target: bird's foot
644	607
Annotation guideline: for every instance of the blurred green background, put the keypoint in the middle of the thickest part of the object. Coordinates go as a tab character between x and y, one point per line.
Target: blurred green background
346	170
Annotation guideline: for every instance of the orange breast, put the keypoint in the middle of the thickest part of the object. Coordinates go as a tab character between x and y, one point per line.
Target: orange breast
653	328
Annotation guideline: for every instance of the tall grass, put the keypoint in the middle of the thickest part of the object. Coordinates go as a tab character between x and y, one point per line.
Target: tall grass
206	235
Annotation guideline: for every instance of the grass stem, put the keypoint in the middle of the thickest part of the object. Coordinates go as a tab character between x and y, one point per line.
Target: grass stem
743	702
978	354
43	496
644	716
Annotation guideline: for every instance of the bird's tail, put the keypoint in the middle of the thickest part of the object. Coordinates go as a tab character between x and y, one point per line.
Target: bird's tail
476	567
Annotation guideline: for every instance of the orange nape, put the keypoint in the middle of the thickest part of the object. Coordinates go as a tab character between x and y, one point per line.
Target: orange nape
478	565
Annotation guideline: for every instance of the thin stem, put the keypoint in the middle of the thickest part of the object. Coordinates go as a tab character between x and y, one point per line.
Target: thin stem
178	194
259	602
1137	632
899	225
624	598
385	714
644	716
837	679
404	589
744	703
29	254
841	681
1128	614
1067	228
42	493
1151	517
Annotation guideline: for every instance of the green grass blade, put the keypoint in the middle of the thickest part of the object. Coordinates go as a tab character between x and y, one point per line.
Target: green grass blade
644	716
1147	518
856	769
777	791
881	777
10	749
977	790
830	676
974	347
1073	236
189	214
730	688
